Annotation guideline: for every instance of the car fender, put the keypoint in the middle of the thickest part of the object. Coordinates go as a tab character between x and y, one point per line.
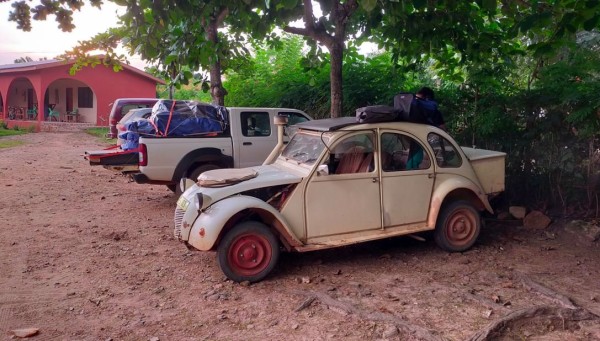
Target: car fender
449	185
210	224
202	155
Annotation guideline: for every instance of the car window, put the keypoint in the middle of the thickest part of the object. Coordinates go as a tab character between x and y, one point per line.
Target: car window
128	107
446	155
255	123
304	148
353	154
401	152
293	118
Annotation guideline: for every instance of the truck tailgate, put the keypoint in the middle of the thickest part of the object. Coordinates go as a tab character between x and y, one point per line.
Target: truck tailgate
489	168
112	156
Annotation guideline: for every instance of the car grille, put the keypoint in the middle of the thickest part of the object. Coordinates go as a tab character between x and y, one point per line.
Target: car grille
178	222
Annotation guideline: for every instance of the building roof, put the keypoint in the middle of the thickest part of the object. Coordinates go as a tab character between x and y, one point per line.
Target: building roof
50	63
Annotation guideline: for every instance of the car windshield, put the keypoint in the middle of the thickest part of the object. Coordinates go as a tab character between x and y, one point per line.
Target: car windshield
304	148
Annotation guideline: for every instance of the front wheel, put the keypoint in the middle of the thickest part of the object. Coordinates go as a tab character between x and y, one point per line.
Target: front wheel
458	227
248	252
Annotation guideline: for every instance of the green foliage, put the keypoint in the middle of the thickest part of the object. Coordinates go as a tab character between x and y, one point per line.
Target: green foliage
101	133
10	132
10	143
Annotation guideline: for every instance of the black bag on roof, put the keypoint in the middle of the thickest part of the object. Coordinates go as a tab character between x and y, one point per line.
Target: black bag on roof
377	113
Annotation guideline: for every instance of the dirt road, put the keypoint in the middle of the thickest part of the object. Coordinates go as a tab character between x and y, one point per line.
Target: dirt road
87	255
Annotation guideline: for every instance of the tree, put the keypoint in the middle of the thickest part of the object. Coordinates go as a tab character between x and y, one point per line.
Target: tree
331	33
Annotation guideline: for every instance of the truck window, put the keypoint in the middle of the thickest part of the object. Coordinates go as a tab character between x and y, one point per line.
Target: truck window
255	123
293	118
446	155
401	152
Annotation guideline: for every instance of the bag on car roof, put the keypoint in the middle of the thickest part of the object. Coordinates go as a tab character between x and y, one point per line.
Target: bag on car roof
377	113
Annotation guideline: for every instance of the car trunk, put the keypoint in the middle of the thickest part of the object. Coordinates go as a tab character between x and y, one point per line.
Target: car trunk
489	168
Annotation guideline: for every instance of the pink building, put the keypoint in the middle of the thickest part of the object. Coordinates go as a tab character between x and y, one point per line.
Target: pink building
36	92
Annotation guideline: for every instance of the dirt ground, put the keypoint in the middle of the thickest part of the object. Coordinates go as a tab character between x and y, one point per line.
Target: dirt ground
87	255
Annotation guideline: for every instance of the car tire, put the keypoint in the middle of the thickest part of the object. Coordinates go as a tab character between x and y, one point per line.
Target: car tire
248	252
457	227
173	188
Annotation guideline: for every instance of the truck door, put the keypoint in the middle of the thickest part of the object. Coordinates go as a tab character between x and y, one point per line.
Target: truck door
407	176
256	138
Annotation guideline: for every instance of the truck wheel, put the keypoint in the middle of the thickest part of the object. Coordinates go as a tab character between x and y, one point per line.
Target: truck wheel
201	169
172	188
194	174
457	227
248	252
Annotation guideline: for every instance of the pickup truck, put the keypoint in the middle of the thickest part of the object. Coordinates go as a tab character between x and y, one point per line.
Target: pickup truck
248	139
340	182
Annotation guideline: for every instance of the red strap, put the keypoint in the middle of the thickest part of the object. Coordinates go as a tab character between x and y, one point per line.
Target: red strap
169	121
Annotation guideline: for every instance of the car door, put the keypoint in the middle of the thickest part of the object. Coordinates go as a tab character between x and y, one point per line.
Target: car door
256	138
407	177
344	197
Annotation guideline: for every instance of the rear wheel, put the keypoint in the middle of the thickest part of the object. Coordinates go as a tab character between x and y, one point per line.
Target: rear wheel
194	174
248	252
458	227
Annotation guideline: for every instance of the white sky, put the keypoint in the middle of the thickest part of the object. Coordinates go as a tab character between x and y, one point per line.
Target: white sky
47	40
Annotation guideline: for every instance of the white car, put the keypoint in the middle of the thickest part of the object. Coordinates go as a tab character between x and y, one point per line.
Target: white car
337	183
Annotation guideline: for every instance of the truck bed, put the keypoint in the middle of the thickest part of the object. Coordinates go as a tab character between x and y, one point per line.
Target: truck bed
489	168
113	156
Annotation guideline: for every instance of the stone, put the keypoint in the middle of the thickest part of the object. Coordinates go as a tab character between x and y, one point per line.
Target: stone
518	212
504	216
536	220
25	332
390	332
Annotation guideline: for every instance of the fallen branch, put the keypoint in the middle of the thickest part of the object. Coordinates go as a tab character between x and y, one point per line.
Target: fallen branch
493	330
552	295
416	332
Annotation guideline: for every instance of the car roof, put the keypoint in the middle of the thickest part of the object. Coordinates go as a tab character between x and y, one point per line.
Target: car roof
328	124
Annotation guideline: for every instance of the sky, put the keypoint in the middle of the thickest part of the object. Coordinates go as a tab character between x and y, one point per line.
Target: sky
47	40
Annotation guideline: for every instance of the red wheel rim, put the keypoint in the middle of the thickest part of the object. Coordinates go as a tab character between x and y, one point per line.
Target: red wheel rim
461	227
249	254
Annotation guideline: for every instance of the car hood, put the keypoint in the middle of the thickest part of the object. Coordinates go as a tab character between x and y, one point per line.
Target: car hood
267	175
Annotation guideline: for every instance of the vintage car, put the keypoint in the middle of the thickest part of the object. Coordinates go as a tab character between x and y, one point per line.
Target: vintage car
336	183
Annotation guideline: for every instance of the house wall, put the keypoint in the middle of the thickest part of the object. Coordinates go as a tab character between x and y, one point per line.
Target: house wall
105	84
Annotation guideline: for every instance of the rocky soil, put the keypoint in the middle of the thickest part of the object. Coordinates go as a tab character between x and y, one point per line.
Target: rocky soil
87	255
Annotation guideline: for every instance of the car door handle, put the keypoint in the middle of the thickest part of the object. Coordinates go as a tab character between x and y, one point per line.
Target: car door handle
431	175
374	180
247	143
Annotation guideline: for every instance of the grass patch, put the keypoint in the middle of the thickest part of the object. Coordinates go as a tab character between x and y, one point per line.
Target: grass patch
100	132
11	132
10	143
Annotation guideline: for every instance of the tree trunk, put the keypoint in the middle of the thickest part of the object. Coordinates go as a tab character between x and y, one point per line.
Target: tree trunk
335	77
217	91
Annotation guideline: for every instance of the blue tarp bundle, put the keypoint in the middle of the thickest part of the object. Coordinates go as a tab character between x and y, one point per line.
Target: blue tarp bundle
187	118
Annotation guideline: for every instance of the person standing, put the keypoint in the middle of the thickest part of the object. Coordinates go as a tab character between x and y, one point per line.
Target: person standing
424	109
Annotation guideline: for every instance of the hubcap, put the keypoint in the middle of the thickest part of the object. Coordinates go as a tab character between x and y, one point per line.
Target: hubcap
249	254
461	227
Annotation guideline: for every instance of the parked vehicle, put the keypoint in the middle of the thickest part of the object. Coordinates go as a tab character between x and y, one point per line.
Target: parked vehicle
248	139
132	115
339	182
121	106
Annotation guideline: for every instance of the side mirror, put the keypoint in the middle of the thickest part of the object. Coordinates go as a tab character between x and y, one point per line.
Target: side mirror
322	170
185	183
